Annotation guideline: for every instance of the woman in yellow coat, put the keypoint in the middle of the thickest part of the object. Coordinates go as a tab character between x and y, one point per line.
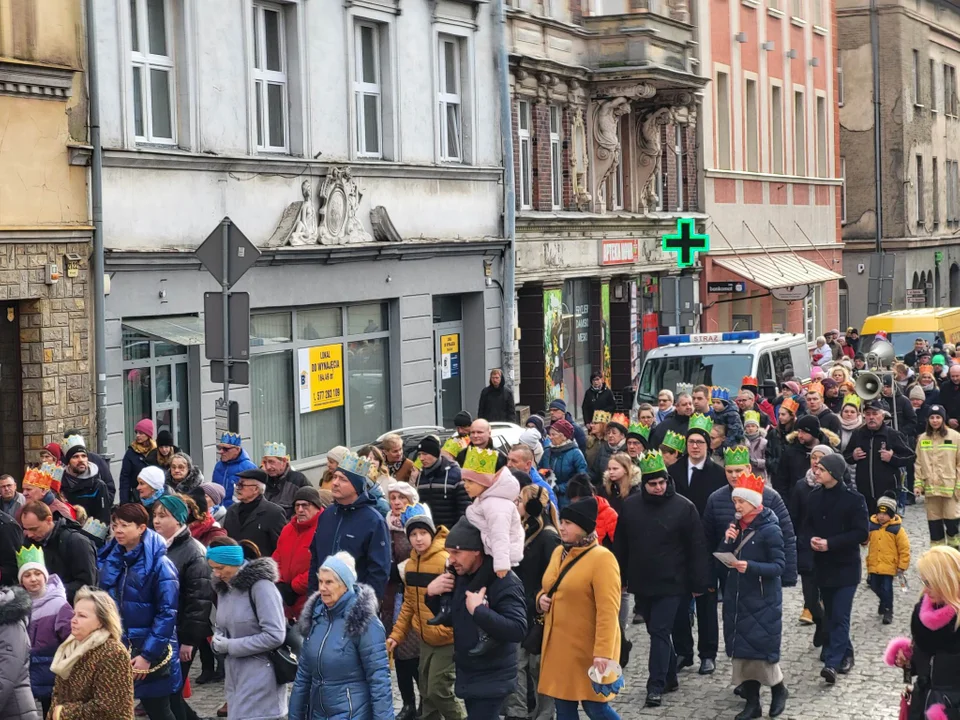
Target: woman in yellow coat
580	625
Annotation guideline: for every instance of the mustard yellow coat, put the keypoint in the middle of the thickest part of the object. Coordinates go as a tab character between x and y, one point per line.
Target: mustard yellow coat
582	623
889	547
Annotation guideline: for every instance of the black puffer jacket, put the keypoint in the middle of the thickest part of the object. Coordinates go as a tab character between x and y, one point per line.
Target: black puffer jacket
536	558
196	588
496	404
874	476
441	488
11	540
795	460
594	400
675	422
283	490
71	554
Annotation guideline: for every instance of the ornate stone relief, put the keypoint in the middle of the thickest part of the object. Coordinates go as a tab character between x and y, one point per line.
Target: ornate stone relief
579	159
606	140
650	145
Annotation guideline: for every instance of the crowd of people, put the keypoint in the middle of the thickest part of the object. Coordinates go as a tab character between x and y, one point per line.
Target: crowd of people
490	582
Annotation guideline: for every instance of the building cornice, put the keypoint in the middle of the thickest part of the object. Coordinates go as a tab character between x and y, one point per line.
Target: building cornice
36	80
597	226
768	177
925	243
45	233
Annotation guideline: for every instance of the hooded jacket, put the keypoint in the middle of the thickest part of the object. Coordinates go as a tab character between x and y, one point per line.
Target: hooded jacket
594	400
564	462
89	491
49	627
494	514
143	582
344	672
938	464
293	560
133	462
795	460
421	570
730	417
196	588
889	547
441	488
496	403
607	519
225	474
70	554
16	699
753	601
360	530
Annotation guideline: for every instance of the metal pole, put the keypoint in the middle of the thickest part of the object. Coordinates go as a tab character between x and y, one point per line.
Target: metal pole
225	289
96	211
877	168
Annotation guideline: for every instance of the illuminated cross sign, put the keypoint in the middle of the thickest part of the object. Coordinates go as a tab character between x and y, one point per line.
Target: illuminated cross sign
686	243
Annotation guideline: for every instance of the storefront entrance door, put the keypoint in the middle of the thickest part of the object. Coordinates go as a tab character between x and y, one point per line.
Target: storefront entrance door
447	341
11	402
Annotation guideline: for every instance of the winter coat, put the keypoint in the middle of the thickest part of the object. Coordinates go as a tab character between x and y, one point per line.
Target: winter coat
660	545
344	673
581	623
593	449
293	560
133	462
375	491
702	484
11	540
16	699
758	453
262	526
950	399
607	519
494	514
225	474
839	516
282	490
875	477
196	588
360	530
100	686
720	512
251	634
70	554
503	618
594	400
889	547
828	420
496	404
938	464
730	417
611	490
204	531
564	462
89	491
677	423
49	627
906	415
143	582
441	489
537	552
799	507
753	601
795	460
192	481
421	571
599	466
13	507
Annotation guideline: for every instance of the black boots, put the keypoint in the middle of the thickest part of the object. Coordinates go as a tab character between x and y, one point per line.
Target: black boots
444	617
751	691
407	712
484	645
779	701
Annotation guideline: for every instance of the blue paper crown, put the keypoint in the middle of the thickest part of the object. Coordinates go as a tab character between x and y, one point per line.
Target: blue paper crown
96	528
413	511
53	470
720	393
229	438
356	464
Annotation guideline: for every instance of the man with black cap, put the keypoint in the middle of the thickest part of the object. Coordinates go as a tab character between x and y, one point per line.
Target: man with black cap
795	453
906	415
353	524
879	453
499	611
663	558
293	550
462	422
597	397
252	517
439	485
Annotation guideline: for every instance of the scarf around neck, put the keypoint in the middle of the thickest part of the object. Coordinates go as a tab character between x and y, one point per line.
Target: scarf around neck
144	448
70	652
848	425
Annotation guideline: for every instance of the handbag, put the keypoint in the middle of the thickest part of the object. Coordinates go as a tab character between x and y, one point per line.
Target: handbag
284	659
533	642
159	669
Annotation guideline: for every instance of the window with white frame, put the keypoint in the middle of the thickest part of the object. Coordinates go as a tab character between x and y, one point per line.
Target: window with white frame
916	77
270	77
821	136
526	154
556	159
450	99
935	200
953	177
367	89
796	9
752	123
843	190
933	85
818	12
919	197
152	57
799	134
776	129
949	90
723	121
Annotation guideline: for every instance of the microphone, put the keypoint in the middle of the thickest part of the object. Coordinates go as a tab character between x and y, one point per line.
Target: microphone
736	518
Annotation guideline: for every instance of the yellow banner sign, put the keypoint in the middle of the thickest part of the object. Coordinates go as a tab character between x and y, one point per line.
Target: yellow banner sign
321	377
450	343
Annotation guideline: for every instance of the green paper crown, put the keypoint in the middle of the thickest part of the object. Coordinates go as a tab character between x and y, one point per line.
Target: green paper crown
30	554
481	461
674	441
452	446
751	416
739	455
639	429
652	462
700	422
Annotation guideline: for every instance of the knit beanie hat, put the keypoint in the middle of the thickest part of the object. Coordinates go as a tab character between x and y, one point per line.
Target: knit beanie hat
835	465
887	503
146	427
462	419
343	566
153	476
55	450
464	536
917	393
822	449
580	486
535	421
165	439
563	427
582	512
337	454
309	494
809	424
430	445
558	405
405	489
214	492
423	522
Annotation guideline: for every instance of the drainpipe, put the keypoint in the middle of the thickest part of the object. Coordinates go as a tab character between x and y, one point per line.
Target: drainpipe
875	52
509	199
96	202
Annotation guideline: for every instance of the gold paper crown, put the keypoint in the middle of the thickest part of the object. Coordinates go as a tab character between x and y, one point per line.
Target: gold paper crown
96	528
620	419
275	449
481	461
452	447
46	477
749	481
791	405
853	400
738	455
601	416
815	387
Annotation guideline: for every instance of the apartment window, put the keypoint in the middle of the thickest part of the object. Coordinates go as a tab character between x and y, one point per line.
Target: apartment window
776	128
818	12
450	100
813	313
367	89
556	159
796	9
821	136
916	77
153	71
799	130
723	121
843	190
679	149
933	85
752	126
773	4
921	214
936	192
270	77
526	155
953	181
840	78
949	89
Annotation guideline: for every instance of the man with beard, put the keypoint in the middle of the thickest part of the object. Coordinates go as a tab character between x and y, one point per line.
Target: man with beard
817	408
496	400
677	421
81	483
795	456
103	465
879	453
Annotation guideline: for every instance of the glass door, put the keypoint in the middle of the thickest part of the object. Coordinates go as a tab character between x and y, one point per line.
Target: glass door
448	346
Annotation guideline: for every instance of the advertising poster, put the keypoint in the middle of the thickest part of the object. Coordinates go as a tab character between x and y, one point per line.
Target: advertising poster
320	377
605	331
553	343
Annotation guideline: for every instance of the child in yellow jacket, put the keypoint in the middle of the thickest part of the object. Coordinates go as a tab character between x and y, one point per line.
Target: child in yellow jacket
888	554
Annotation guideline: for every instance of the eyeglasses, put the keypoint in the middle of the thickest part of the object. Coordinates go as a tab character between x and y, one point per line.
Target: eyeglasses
245	485
299	505
660	401
656	483
696	442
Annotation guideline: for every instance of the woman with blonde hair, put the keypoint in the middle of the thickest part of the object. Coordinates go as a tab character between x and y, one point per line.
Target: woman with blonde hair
840	374
932	653
596	436
621	479
94	678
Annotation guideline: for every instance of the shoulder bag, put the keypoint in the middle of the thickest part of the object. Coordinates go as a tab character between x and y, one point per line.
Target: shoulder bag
533	642
284	659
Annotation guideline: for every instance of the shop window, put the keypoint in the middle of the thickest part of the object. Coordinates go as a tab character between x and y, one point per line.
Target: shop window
155	386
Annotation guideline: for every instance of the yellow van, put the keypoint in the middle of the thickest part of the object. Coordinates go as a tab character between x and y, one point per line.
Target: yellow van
905	326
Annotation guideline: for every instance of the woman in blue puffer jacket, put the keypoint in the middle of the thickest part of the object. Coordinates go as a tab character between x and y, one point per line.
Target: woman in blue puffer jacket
142	580
344	672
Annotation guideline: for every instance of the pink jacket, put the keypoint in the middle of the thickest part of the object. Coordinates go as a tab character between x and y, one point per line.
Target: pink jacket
495	515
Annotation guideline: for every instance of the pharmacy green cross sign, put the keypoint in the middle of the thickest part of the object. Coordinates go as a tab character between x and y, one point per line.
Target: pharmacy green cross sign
686	243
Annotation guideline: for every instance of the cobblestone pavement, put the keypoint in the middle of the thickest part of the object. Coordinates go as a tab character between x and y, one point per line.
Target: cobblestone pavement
870	692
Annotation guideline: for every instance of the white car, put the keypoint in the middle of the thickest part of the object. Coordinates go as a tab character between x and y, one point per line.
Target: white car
505	435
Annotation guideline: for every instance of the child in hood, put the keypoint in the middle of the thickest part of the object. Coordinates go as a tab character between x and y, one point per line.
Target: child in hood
888	554
727	414
756	440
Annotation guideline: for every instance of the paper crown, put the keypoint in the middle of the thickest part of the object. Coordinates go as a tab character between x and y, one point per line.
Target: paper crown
452	447
749	382
638	430
229	438
751	416
355	464
853	400
674	441
720	393
751	484
925	369
684	388
652	462
601	416
701	422
791	405
275	449
46	477
73	441
96	528
739	455
481	461
619	419
30	554
815	387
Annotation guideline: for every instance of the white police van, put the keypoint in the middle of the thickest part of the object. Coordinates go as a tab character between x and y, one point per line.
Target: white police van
723	359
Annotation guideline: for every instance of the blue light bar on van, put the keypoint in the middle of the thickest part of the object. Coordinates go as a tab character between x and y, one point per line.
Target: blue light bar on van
701	338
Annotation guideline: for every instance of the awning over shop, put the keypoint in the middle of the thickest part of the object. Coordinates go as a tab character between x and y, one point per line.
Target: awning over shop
777	271
178	330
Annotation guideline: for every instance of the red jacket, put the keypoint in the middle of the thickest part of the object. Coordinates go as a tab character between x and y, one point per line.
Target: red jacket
293	560
606	520
204	531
